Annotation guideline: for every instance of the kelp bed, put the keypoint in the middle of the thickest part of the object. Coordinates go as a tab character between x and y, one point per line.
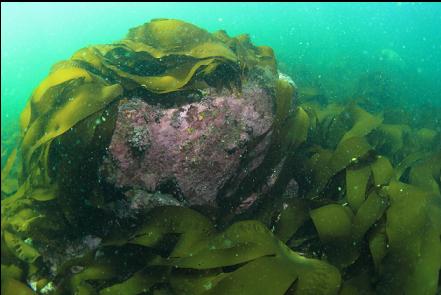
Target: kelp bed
366	218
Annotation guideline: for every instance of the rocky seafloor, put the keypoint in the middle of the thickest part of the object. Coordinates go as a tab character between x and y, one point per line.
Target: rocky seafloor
177	161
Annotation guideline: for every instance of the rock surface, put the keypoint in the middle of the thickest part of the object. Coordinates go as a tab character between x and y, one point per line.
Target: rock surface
190	151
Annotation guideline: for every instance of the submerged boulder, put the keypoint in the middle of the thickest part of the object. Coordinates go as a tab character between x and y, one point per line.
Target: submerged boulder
140	160
190	151
171	107
169	116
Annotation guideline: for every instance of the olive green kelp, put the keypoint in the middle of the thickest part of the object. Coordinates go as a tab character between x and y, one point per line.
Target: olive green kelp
48	182
201	261
376	199
75	105
366	218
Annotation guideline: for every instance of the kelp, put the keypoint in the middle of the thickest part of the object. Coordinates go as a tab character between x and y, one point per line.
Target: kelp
413	227
334	227
12	278
426	174
197	263
292	216
356	183
80	94
96	76
346	153
365	220
20	249
387	198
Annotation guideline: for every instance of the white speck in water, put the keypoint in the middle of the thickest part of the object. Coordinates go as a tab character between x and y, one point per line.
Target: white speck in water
208	286
49	288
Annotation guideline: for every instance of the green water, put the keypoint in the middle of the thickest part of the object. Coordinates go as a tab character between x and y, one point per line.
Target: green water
337	42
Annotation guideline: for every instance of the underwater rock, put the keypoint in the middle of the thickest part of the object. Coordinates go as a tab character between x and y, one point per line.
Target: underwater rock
323	199
54	259
190	151
171	116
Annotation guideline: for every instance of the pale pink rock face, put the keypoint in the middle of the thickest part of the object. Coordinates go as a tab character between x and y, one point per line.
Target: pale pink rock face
198	146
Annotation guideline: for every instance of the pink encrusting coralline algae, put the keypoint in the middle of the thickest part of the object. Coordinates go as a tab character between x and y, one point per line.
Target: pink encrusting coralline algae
198	146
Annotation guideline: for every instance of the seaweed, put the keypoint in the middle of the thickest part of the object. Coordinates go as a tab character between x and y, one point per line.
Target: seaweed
366	218
199	260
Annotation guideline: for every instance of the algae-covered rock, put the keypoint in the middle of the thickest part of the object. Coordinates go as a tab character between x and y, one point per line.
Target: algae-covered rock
172	115
165	107
175	149
174	162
